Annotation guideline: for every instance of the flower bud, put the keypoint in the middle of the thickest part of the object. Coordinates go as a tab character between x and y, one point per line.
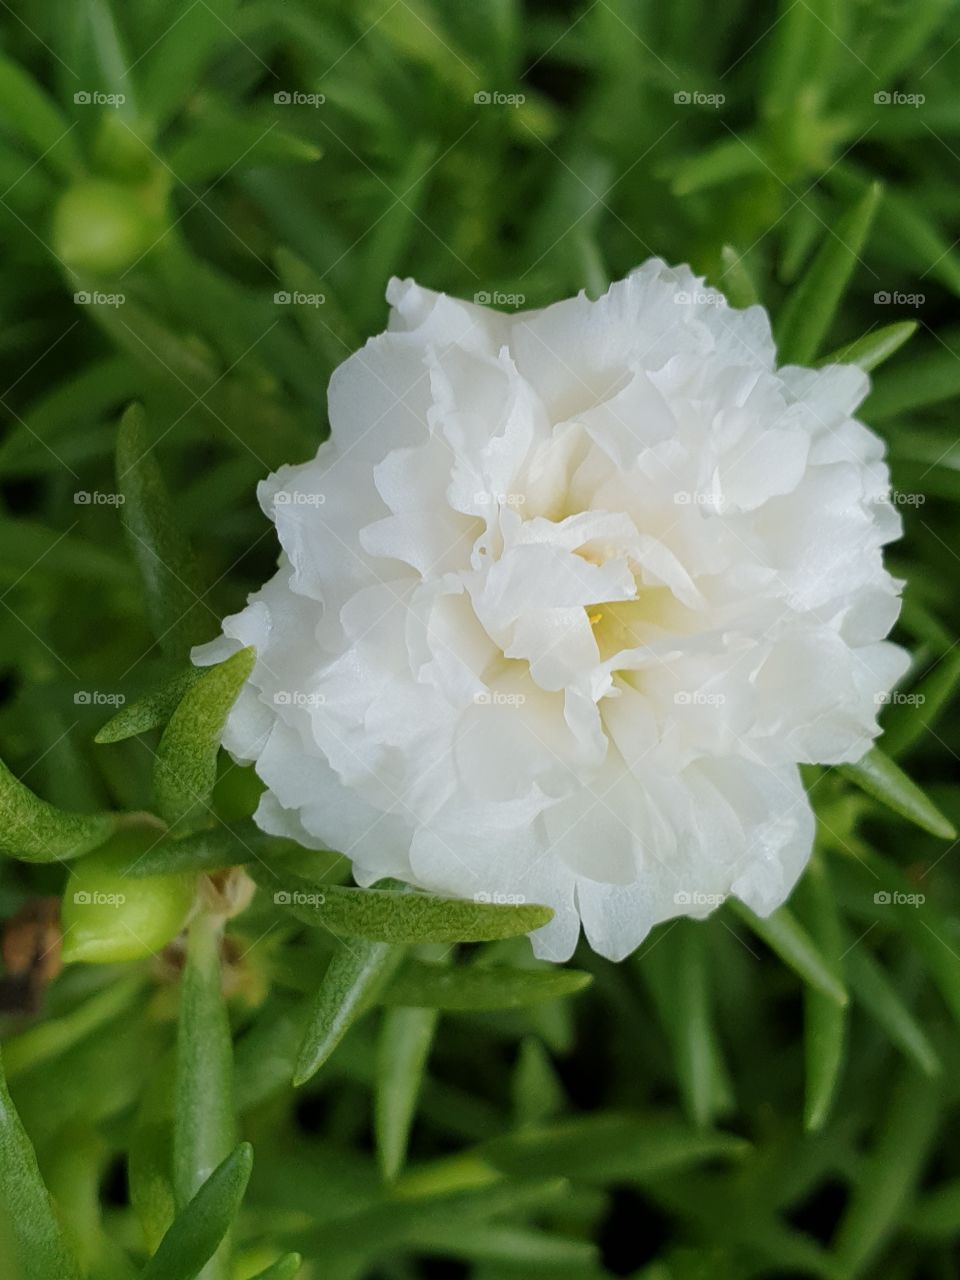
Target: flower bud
103	227
109	915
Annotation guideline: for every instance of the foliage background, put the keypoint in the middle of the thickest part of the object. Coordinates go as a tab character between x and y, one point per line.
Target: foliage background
665	1123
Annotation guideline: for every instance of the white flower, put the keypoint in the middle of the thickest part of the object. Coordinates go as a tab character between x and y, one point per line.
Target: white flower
562	603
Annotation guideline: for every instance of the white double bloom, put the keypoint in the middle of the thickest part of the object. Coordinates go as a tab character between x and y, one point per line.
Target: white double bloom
562	603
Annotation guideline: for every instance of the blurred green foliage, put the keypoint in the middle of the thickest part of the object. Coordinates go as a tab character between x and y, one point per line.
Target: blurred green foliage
200	206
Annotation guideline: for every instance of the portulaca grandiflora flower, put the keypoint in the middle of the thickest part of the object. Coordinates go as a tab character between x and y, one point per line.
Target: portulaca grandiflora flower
564	601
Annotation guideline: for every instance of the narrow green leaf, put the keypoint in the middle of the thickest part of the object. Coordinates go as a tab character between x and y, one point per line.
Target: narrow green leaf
931	377
735	280
354	980
186	764
204	1118
808	312
150	711
825	1021
480	987
908	1126
879	777
535	1087
185	47
28	112
873	989
53	1037
908	720
220	141
208	850
38	1239
386	915
284	1268
34	831
874	347
173	592
609	1146
405	1039
203	1223
150	1154
675	971
783	934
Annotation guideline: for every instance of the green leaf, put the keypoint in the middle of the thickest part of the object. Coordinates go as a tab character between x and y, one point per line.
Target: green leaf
354	980
480	987
204	1118
879	777
38	1239
825	1021
186	764
874	347
220	141
173	591
873	989
783	934
284	1268
386	915
28	112
909	720
676	973
808	312
405	1039
55	1036
931	377
891	1169
208	850
179	56
34	831
609	1147
199	1228
735	280
150	711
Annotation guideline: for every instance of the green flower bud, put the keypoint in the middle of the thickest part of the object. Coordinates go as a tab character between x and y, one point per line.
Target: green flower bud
102	227
109	915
